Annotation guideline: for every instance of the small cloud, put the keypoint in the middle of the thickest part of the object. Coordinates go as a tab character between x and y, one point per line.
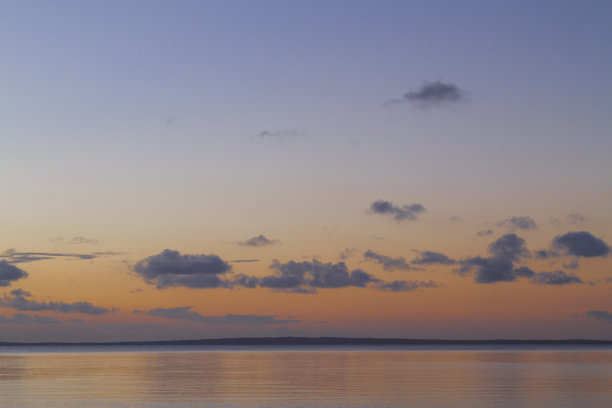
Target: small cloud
484	233
432	258
10	273
406	286
405	212
82	240
600	315
186	313
171	269
522	223
22	318
581	243
558	278
244	260
576	219
13	256
545	254
388	263
432	94
283	134
258	241
346	253
573	264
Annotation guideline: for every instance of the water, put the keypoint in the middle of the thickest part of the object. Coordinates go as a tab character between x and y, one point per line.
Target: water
241	378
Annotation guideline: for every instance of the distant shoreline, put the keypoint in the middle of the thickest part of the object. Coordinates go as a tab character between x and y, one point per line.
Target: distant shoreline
327	341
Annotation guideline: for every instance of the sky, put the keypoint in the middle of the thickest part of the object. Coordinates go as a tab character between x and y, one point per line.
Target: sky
202	169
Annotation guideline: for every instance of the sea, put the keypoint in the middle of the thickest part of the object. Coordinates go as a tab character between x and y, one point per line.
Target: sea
245	377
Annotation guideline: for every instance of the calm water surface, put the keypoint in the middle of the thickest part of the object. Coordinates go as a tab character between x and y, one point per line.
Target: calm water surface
158	378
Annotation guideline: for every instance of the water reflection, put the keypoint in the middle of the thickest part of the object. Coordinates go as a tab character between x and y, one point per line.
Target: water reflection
308	379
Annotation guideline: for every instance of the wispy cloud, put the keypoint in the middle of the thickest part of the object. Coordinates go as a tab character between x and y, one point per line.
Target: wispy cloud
600	315
406	285
21	318
281	134
557	278
186	313
13	256
19	301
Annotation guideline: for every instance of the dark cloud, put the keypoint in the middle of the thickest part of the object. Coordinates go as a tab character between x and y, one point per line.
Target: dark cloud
545	254
19	302
432	94
509	247
258	241
600	315
388	263
499	267
406	286
405	212
10	273
558	278
484	233
245	281
581	243
522	223
171	269
432	258
308	276
22	318
185	313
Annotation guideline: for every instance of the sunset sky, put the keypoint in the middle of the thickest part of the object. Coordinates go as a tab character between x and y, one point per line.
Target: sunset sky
199	169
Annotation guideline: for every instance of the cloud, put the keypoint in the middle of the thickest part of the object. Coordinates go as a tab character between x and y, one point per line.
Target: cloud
22	318
406	286
557	278
431	258
499	267
388	263
432	94
308	276
283	134
10	273
581	243
258	241
19	302
185	313
244	260
171	269
545	254
600	315
82	240
573	264
576	219
405	212
484	233
522	223
13	256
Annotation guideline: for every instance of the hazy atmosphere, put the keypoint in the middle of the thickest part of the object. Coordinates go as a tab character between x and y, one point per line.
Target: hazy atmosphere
189	169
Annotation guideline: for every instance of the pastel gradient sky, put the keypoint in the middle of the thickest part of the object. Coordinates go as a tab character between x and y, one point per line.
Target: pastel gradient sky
192	169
